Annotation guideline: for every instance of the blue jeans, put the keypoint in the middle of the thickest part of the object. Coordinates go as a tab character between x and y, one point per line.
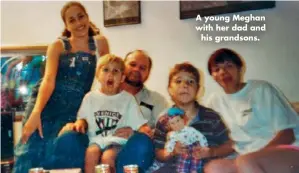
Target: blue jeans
138	150
66	151
69	152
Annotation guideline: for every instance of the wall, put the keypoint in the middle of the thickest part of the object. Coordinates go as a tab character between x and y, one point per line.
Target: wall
170	40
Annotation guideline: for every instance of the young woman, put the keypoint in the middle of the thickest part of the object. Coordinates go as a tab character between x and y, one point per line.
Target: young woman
263	124
69	73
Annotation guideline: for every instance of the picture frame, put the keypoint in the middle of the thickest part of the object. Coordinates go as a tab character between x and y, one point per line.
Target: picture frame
190	9
118	13
30	49
21	68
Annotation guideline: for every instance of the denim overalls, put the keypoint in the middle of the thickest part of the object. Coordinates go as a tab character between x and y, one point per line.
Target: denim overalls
74	78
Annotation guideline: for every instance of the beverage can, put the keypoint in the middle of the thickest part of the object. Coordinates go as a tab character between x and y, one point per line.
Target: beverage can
36	170
102	168
131	169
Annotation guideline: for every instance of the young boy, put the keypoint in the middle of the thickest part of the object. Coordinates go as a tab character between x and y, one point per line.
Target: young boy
104	111
183	88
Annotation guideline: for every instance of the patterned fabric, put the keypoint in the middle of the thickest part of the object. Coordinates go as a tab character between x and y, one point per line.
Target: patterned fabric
105	114
207	122
74	78
187	136
186	163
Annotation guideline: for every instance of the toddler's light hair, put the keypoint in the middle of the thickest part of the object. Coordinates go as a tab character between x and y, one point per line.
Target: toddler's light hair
110	58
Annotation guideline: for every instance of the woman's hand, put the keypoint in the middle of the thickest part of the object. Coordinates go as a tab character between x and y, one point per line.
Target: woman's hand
202	152
33	123
179	149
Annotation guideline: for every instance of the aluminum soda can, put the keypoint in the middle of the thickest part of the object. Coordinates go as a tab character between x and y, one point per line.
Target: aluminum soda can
131	169
36	170
102	168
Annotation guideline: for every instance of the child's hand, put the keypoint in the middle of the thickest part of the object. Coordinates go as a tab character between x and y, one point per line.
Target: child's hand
202	152
80	126
179	148
124	132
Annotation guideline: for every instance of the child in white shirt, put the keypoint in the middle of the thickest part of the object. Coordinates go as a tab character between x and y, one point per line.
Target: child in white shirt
263	125
104	111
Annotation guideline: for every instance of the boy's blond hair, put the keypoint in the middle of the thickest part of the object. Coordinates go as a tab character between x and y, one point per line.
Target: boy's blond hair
110	58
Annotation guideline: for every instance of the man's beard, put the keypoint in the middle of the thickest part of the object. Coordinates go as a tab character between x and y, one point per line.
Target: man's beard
134	79
136	84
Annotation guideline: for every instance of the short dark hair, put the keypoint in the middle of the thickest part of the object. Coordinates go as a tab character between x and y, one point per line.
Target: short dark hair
184	67
145	54
222	55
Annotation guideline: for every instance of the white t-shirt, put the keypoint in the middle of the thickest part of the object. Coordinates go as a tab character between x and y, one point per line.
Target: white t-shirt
187	136
255	114
151	103
104	114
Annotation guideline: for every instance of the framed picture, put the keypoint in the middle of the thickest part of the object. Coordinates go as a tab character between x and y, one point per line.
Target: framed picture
121	12
190	9
21	68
